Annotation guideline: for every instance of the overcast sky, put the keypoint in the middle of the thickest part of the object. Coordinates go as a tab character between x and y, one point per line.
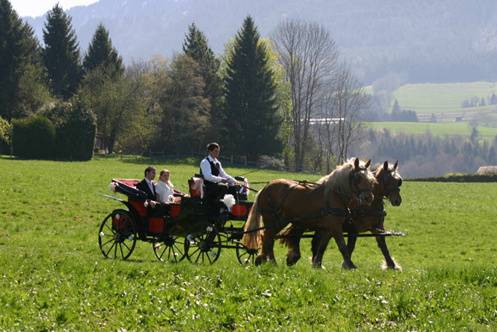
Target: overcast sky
39	7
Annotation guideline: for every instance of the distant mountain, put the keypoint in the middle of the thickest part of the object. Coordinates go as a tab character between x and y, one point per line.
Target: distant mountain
418	41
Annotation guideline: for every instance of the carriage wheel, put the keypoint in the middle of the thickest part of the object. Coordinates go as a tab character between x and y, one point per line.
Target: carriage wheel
171	249
117	235
245	255
203	248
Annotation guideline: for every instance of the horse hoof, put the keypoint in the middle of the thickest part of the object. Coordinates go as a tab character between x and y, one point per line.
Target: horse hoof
395	268
317	266
391	266
350	266
291	260
258	260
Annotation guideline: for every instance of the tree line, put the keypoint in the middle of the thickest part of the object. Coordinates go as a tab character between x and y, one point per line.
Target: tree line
259	98
429	155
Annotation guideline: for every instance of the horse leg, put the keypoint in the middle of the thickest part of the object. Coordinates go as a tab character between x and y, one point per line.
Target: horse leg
382	244
268	246
344	250
293	242
320	242
314	244
351	240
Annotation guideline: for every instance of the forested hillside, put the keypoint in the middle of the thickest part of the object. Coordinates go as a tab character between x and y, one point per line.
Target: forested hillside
419	41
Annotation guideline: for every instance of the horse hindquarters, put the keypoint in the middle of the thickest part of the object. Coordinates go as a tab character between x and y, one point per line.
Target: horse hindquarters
252	237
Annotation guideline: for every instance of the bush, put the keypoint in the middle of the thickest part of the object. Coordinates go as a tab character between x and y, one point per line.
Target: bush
33	137
5	133
76	135
75	130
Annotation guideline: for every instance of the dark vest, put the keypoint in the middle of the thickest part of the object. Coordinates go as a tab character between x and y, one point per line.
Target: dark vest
214	168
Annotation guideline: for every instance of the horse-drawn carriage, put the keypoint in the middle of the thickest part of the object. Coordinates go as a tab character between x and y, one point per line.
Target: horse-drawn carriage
185	227
284	209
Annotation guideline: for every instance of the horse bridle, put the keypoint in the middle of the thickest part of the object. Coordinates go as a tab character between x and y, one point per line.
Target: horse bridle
353	184
393	189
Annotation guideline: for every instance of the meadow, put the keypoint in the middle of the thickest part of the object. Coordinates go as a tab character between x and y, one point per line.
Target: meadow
53	276
443	97
436	129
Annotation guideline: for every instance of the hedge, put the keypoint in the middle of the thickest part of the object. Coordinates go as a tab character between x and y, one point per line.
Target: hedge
33	137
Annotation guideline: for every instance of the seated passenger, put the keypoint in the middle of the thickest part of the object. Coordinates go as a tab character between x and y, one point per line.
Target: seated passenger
164	188
147	185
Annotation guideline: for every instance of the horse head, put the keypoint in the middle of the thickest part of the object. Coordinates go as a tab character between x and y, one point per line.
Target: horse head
362	183
390	181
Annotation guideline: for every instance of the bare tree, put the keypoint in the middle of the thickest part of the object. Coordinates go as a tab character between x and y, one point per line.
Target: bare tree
309	56
342	105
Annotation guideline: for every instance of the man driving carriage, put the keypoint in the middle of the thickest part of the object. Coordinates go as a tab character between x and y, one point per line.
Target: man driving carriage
217	182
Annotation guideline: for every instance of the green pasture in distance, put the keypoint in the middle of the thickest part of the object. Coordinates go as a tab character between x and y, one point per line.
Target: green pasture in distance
438	129
442	97
53	276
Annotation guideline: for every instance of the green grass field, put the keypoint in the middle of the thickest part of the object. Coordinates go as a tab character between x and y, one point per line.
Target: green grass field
53	276
437	129
441	98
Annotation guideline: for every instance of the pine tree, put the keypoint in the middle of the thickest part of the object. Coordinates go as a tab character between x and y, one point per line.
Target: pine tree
196	47
251	108
22	89
102	53
61	54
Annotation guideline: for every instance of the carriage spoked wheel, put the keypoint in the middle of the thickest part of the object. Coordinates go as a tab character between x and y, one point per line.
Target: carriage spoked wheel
203	248
245	255
117	235
171	249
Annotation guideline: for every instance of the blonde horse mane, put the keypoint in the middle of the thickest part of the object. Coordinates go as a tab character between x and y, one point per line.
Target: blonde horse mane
339	178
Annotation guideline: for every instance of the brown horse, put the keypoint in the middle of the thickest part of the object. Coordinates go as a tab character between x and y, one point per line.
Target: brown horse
362	219
322	207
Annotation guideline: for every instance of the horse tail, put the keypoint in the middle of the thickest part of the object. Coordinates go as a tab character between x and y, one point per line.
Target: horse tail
285	234
253	232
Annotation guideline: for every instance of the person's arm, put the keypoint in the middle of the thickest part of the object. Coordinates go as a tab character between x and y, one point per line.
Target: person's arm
224	175
207	174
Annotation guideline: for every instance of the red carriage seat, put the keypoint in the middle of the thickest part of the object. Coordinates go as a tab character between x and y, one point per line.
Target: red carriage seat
156	225
129	182
139	206
195	186
175	210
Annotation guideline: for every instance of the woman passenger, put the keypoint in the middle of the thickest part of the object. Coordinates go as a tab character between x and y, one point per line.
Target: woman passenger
164	188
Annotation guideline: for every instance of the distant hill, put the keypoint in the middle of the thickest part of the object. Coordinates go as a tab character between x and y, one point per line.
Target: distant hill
418	41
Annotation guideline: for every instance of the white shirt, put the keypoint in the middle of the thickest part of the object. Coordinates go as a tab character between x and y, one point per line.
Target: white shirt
163	191
205	166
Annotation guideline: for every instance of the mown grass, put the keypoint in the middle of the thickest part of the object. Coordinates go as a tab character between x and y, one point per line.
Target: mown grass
53	277
436	129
